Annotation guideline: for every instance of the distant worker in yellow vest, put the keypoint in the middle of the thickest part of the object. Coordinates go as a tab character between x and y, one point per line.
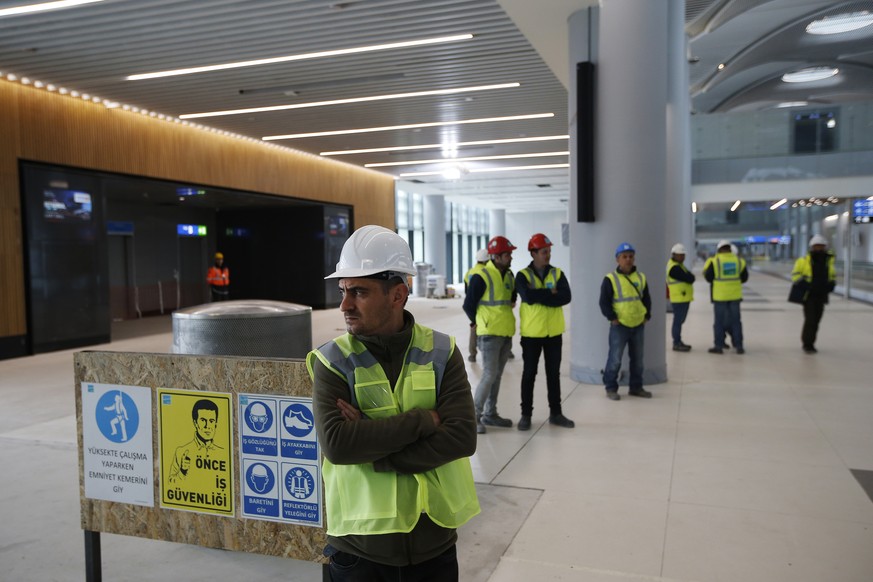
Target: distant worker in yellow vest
726	272
218	278
489	302
543	290
626	303
680	288
816	271
481	258
396	423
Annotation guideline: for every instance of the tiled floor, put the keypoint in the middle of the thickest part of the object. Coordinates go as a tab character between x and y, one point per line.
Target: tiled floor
739	469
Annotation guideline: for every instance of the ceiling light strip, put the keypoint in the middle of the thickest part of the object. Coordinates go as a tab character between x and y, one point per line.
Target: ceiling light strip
350	100
407	126
44	6
300	57
481	170
437	146
470	159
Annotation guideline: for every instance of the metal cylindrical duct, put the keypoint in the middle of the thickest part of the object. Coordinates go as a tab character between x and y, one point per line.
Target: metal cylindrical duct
269	329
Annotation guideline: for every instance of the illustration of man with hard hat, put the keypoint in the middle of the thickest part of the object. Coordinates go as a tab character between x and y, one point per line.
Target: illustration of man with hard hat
218	277
680	290
396	424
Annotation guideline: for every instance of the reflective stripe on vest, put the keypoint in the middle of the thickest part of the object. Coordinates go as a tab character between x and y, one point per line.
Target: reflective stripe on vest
680	291
494	314
538	320
627	297
726	283
359	500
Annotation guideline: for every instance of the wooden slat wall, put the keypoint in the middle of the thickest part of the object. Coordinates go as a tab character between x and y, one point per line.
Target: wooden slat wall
36	125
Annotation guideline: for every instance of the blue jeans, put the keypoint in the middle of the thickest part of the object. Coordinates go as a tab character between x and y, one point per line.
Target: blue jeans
680	312
727	319
494	351
620	336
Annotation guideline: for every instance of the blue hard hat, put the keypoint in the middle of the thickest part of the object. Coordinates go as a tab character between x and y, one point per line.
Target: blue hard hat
624	248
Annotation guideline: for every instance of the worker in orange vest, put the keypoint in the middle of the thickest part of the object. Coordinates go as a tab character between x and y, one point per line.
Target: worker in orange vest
218	278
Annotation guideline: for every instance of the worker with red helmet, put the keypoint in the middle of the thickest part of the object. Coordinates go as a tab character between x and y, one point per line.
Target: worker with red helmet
544	291
488	303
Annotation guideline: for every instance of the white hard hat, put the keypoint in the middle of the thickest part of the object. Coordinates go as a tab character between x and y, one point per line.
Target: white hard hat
372	250
735	250
482	256
818	240
722	243
678	249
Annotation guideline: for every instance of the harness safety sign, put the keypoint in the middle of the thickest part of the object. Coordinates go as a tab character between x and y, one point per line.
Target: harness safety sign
117	443
195	444
279	459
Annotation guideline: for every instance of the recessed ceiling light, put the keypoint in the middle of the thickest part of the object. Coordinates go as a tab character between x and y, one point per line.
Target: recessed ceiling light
300	57
350	100
786	104
412	126
840	23
810	74
43	6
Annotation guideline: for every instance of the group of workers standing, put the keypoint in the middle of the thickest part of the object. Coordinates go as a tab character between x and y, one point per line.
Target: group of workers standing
396	417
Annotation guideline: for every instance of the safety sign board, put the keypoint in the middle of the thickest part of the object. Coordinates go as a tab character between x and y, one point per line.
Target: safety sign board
195	447
117	443
278	462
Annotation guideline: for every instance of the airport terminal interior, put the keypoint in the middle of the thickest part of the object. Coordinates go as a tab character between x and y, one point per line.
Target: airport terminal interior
449	122
754	467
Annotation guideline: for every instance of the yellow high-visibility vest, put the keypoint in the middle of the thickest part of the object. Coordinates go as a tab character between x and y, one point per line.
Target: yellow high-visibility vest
494	314
627	297
361	501
538	320
680	291
726	269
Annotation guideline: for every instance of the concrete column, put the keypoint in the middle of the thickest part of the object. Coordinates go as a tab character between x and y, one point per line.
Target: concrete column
435	232
628	42
497	224
680	220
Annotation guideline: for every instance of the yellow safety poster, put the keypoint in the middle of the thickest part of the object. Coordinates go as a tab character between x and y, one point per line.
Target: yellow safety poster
195	447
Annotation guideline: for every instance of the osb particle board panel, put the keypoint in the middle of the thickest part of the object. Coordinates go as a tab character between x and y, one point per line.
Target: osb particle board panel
212	374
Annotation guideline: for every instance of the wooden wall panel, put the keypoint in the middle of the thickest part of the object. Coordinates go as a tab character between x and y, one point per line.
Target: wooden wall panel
39	126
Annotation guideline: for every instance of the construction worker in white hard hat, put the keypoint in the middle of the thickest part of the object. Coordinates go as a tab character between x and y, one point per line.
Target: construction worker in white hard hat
395	420
815	273
680	291
726	273
482	257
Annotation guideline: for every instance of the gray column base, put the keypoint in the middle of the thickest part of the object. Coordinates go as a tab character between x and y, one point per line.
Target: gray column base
588	375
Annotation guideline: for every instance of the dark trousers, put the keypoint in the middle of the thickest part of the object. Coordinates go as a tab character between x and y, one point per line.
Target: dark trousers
350	568
680	312
813	309
530	353
727	320
219	293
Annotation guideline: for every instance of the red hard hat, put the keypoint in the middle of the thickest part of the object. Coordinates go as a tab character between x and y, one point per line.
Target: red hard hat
499	244
538	241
